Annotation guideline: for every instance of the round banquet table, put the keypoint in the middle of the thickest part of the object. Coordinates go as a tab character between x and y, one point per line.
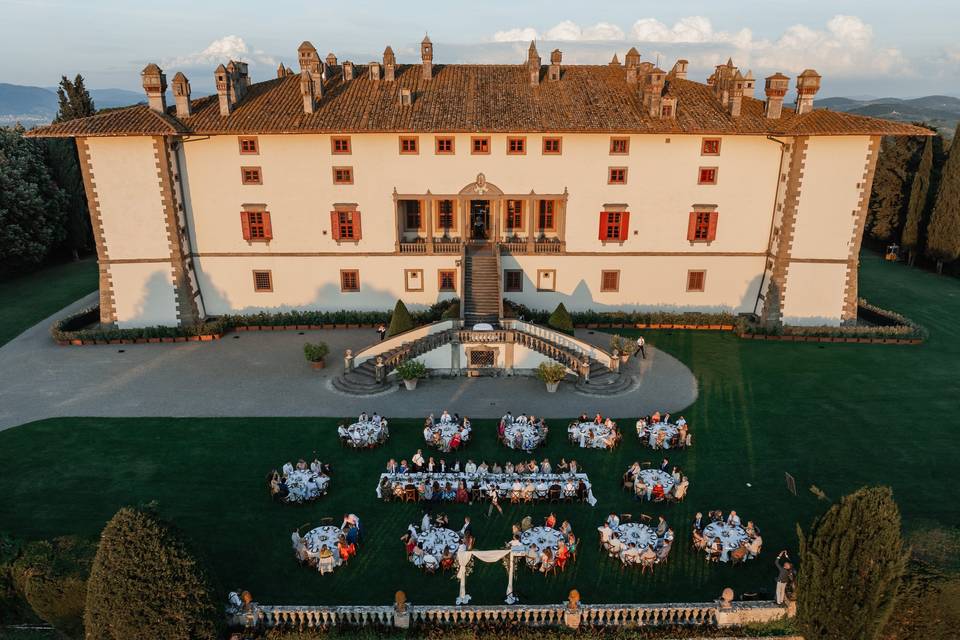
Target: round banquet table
652	476
365	433
598	439
542	537
328	535
530	436
447	431
436	540
730	537
669	429
305	485
639	534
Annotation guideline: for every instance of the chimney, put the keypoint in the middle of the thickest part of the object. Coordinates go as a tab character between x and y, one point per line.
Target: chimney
406	98
632	61
808	83
775	88
181	95
553	73
615	61
389	64
155	86
533	64
374	68
307	87
679	70
331	60
237	87
736	95
748	84
347	71
281	71
668	107
308	57
243	74
653	91
224	90
426	57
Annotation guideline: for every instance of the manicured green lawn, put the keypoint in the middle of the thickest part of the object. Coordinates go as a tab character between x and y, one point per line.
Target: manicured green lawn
26	300
837	416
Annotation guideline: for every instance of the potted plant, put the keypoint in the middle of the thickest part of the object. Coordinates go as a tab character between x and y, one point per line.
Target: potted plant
410	372
629	348
315	352
551	373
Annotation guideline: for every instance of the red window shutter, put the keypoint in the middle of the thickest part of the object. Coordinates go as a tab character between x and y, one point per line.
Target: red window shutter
356	226
624	225
712	230
267	227
335	225
692	227
245	225
603	226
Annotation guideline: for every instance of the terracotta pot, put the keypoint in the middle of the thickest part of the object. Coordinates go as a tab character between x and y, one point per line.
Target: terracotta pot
318	364
618	325
580	325
76	342
167	340
116	341
716	327
690	326
655	326
206	338
180	339
101	342
591	325
88	342
153	340
410	384
641	325
353	326
193	338
241	328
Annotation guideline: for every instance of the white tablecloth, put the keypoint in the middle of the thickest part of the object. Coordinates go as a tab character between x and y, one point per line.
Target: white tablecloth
504	482
669	429
591	435
363	434
329	535
523	436
447	431
639	534
652	476
730	537
543	537
306	485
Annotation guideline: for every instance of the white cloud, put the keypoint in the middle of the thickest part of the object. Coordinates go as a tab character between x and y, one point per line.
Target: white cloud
516	35
566	31
221	50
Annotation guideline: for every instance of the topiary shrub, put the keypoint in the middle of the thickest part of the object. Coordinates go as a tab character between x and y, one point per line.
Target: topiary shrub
51	576
400	321
560	320
452	312
145	583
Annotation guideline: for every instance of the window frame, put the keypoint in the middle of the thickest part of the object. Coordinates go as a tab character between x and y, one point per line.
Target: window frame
702	273
707	141
353	224
333	145
713	181
409	139
507	274
705	221
250	139
626	144
265	226
621	225
347	181
355	273
407	273
516	141
453	280
508	214
547	274
603	281
439	219
436	145
260	272
249	169
610	176
547	139
541	213
421	221
473	145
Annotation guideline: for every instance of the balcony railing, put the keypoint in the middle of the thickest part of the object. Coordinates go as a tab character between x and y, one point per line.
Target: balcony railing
538	246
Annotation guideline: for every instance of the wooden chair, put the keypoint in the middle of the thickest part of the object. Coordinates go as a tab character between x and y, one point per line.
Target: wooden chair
645	519
410	494
326	521
645	464
554	493
645	565
626	517
627	482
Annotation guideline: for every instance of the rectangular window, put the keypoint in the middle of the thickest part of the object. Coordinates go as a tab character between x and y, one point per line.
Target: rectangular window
447	280
610	281
345	226
256	226
412	215
512	280
546	219
666	111
551	146
409	145
546	279
479	145
516	146
446	215
619	146
614	226
413	279
262	281
696	280
340	146
444	146
249	145
710	147
514	215
617	175
702	226
349	280
707	175
250	175
343	175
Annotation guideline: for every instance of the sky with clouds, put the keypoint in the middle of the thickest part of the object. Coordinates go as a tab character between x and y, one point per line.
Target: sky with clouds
875	47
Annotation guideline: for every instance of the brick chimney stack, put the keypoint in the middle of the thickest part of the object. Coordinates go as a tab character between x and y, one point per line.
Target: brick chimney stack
808	83
736	94
389	64
632	62
533	64
281	71
181	95
310	61
426	57
331	60
236	74
553	73
224	90
347	71
653	91
155	86
775	88
679	70
374	68
308	91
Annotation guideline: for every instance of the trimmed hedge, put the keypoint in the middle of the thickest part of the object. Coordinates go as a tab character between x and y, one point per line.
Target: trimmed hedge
560	320
887	325
583	318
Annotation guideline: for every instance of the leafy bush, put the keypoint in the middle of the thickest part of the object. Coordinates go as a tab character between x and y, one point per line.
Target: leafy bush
400	321
517	310
411	370
315	351
452	312
145	583
886	324
560	320
551	372
51	576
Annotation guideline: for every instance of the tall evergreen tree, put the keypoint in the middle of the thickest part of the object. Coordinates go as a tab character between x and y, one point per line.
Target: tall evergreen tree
917	205
943	232
851	565
74	100
890	187
400	321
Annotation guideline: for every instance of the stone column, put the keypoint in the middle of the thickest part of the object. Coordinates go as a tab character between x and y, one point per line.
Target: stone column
531	221
428	206
562	222
398	223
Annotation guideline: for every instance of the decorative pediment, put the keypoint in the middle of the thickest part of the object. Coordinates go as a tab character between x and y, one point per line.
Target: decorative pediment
480	187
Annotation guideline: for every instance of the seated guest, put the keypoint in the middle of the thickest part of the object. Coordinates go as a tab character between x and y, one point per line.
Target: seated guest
391	466
668	536
441	521
551	521
655	418
428	432
739	554
546	560
582	490
573	466
584	417
455	441
508	468
751	529
753	547
449	493
287	469
661	526
404	467
445	416
363	417
470	467
675	475
316	466
563	466
715	549
613	520
431	465
698	522
463	496
563	554
426	491
733	520
699	542
397	490
615	546
641	428
716	516
533	556
630	555
649	556
497	469
606	532
483	467
526	523
663	552
640	488
598	419
545	466
565	528
417	460
657	492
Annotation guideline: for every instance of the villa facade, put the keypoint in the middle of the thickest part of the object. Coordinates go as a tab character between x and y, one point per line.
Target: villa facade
606	187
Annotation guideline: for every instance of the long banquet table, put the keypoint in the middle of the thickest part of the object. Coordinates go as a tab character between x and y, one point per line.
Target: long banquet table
503	481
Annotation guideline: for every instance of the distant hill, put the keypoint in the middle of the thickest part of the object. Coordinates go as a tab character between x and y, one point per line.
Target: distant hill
941	112
38	105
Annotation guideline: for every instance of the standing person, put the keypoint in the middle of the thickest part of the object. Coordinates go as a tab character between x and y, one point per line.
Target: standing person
640	350
494	500
382	330
784	575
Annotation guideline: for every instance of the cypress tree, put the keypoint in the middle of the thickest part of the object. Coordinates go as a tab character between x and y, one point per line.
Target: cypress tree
145	584
919	192
560	320
943	232
851	565
890	186
73	100
400	321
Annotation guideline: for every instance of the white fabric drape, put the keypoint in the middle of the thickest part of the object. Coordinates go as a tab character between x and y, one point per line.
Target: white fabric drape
493	555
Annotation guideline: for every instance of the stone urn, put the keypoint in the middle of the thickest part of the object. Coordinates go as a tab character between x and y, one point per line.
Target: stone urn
552	387
411	384
572	615
401	612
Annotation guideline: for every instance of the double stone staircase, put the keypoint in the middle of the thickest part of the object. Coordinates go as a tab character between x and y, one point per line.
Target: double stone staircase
481	296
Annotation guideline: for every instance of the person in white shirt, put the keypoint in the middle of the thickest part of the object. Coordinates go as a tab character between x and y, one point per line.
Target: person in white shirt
640	348
428	433
342	431
681	421
470	467
630	555
417	459
615	545
425	523
545	466
376	419
733	520
363	417
456	466
613	520
431	465
605	533
445	416
641	428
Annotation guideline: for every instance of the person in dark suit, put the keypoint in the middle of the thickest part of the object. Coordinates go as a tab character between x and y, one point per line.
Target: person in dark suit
698	521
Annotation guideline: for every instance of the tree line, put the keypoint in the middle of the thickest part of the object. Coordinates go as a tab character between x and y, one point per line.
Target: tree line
43	206
915	201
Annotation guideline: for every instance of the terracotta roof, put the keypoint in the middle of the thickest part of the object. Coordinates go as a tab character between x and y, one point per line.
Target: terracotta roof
473	98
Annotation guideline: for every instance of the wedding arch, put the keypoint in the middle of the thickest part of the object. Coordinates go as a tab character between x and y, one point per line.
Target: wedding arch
464	558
